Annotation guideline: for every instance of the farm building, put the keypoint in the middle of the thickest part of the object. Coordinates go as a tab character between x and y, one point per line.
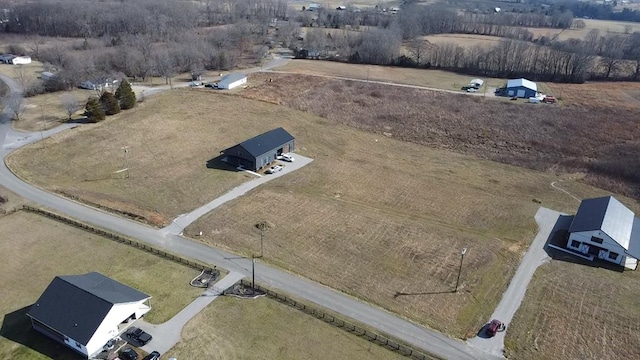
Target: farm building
83	312
605	228
232	80
46	75
260	151
521	88
21	60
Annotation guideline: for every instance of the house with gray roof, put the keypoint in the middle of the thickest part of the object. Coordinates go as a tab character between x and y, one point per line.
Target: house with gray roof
604	228
260	151
84	312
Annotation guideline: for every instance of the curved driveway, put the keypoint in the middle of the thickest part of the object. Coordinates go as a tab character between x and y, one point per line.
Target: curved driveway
377	318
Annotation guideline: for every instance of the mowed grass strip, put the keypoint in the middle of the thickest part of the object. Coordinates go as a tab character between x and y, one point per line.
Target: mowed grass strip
36	249
231	328
574	311
437	79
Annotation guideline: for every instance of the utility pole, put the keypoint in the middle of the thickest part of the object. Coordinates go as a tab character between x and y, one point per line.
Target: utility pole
126	161
262	241
464	251
253	275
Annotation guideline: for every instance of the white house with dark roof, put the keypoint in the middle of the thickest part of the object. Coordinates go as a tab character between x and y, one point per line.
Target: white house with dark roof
83	312
604	228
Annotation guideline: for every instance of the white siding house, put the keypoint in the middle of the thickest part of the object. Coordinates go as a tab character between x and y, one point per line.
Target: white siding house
604	228
232	80
83	311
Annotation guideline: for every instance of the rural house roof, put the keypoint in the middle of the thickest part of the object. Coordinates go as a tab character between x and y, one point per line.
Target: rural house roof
76	305
522	83
270	140
611	217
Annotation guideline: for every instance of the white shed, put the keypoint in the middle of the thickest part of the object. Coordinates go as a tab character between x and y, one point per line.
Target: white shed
605	228
477	83
232	80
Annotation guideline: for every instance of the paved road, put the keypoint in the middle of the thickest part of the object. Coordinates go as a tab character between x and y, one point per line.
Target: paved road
513	296
184	220
168	334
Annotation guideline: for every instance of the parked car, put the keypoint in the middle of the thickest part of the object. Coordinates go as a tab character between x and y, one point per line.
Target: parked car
494	327
286	157
139	335
274	169
211	85
153	356
472	90
128	354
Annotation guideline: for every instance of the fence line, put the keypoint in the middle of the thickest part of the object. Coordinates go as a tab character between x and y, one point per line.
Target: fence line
374	337
116	237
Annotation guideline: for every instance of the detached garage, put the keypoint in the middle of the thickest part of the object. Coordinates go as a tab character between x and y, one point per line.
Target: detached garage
521	88
232	80
260	151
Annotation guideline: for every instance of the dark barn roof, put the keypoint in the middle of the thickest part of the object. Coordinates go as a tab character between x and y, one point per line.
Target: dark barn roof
76	305
268	141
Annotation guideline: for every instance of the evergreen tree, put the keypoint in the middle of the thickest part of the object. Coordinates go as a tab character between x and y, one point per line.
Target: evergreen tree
125	95
109	103
94	111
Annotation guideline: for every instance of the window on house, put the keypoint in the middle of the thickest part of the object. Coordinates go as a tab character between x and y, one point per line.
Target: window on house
596	240
78	344
575	244
613	255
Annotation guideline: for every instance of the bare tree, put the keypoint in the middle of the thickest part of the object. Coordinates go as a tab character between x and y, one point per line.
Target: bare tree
70	104
22	76
17	105
417	48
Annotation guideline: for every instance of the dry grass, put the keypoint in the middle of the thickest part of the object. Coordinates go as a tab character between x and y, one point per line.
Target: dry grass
46	111
28	72
464	40
595	310
231	328
547	137
168	165
28	246
437	79
599	94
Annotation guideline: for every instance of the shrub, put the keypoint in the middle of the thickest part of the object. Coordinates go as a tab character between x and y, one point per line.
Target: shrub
125	95
109	103
94	111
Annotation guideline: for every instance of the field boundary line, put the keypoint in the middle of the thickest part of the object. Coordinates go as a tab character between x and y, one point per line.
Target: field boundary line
364	331
118	238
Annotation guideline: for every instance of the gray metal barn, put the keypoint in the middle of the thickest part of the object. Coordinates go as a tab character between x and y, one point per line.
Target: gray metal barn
260	151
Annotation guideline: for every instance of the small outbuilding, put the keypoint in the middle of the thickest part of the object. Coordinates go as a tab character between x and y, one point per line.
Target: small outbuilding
232	80
84	312
604	228
260	151
21	60
521	88
477	83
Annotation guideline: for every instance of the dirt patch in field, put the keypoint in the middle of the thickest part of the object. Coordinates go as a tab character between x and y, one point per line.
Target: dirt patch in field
596	311
587	138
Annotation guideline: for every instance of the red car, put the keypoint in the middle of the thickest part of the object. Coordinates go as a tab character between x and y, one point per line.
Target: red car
494	327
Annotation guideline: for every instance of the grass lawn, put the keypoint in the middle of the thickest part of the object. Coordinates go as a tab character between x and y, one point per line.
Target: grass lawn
23	73
574	311
37	249
371	216
263	328
464	40
46	111
436	79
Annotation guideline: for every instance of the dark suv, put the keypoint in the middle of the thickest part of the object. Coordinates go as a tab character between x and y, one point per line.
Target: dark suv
153	356
136	334
128	354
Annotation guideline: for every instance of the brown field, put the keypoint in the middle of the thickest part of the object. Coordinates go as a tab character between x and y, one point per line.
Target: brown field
557	138
615	95
28	245
23	73
464	40
574	311
436	79
231	328
372	215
